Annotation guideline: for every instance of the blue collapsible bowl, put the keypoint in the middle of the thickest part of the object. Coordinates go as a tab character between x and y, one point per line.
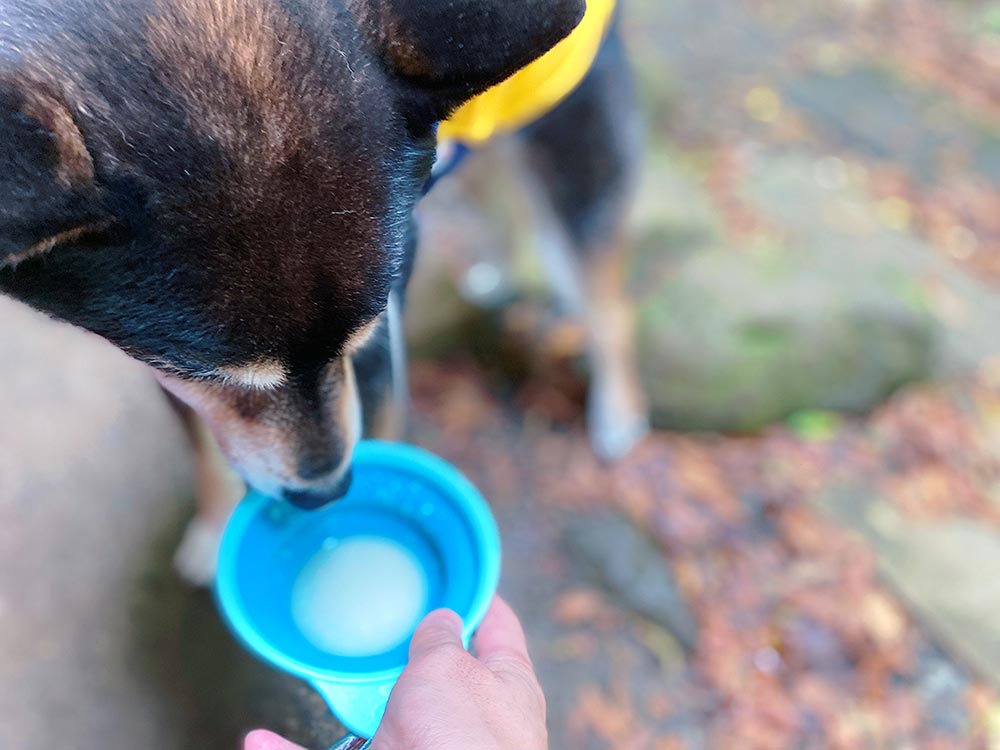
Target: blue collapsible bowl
399	493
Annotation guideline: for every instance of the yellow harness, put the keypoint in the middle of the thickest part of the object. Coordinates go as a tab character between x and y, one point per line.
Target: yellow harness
535	90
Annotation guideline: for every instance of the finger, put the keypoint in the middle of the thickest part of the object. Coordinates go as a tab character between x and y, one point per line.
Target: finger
440	630
501	635
261	740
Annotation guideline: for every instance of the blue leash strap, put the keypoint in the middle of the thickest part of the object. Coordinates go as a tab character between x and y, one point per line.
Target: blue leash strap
449	156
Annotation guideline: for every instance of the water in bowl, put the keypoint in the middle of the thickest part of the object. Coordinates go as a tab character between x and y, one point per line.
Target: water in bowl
360	596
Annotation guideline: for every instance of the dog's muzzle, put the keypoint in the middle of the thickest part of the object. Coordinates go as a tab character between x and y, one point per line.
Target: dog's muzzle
314	499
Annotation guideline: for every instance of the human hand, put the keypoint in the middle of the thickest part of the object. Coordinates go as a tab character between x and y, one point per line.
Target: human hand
448	699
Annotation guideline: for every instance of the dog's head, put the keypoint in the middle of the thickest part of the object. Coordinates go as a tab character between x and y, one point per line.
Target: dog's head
223	189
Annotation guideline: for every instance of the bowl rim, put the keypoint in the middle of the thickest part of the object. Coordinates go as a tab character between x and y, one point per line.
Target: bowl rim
393	456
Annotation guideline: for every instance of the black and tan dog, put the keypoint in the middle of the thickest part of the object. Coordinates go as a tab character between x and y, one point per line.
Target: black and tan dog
224	190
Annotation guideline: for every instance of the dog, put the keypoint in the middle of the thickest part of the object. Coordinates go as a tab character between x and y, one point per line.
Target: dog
225	190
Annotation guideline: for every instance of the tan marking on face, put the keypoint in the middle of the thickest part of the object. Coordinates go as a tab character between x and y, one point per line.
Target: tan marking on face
356	342
54	241
265	447
222	56
388	33
266	375
75	166
261	449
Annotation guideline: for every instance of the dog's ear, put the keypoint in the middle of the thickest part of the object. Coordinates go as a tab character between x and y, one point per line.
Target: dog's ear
47	190
455	49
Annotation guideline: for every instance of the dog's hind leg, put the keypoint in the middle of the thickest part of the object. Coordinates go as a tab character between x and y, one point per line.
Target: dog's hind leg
217	491
586	157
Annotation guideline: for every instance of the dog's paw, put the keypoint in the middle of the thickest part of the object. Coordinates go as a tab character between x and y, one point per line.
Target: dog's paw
197	556
617	421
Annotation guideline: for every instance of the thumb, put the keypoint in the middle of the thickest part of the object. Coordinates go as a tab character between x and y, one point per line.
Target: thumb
440	630
261	740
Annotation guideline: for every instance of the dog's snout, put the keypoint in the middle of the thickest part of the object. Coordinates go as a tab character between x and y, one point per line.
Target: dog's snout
316	499
317	466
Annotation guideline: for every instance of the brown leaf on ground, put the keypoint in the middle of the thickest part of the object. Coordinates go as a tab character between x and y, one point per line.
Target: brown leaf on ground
882	618
610	717
579	607
799	643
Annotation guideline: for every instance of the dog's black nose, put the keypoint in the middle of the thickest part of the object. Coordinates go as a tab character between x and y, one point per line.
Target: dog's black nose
314	500
316	466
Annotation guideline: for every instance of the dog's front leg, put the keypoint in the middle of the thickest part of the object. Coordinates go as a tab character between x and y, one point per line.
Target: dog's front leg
217	491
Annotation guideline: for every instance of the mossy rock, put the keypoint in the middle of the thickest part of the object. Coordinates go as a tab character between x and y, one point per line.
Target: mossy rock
736	340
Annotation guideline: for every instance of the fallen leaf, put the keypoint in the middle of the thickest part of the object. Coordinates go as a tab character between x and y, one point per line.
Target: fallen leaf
578	607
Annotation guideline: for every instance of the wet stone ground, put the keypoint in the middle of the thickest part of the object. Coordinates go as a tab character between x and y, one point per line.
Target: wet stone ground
827	583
